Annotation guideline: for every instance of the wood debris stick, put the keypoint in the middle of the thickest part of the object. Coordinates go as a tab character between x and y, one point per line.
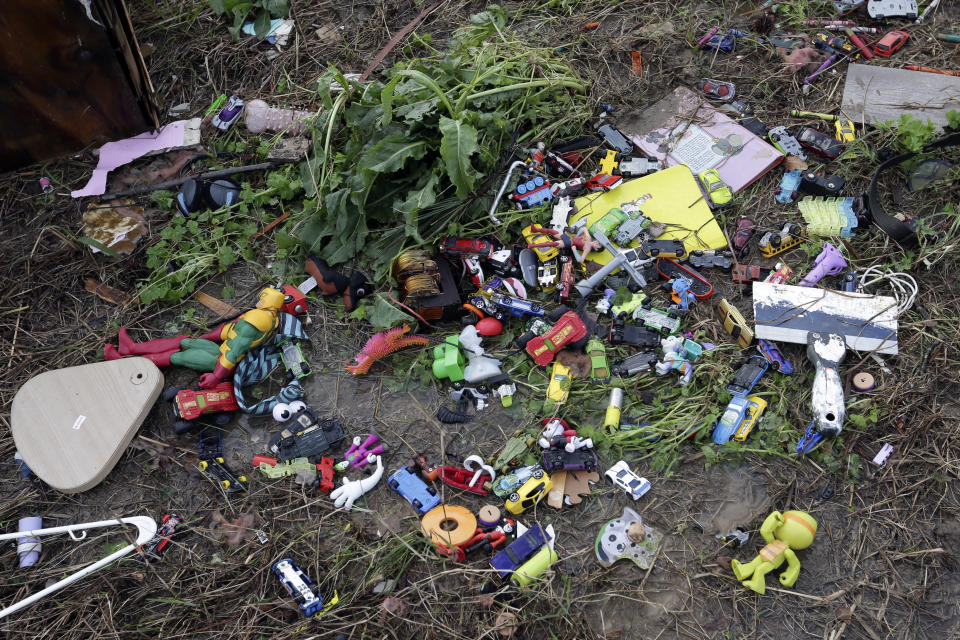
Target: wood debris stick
219	307
270	226
108	293
395	40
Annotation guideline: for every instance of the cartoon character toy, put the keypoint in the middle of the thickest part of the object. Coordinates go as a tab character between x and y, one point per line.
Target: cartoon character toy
679	354
253	328
785	533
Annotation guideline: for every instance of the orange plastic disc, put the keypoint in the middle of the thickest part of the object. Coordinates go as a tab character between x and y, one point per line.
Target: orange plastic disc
450	525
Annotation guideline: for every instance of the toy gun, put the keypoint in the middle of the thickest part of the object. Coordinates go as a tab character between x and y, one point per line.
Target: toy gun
830	262
357	455
629	260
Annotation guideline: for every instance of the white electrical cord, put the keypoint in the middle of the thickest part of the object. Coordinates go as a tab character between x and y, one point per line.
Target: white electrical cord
904	287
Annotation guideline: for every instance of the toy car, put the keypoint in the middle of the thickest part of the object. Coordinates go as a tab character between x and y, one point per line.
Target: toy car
293	360
188	405
717	90
816	184
466	247
558	389
775	242
569	328
633	226
532	491
820	143
630	483
155	547
615	139
664	248
845	131
519	551
745	117
700	259
780	274
745	273
510	306
408	484
599	368
662	321
634	364
603	182
212	464
623	333
583	459
786	143
715	188
891	43
306	434
510	482
774	358
719	42
544	254
532	193
745	230
302	588
229	115
629	306
739	419
788	192
636	167
748	375
734	323
610	162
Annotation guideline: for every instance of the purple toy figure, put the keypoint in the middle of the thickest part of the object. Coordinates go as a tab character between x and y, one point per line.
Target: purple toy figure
356	456
830	262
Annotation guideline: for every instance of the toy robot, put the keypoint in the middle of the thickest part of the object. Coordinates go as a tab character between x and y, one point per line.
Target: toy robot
236	338
785	533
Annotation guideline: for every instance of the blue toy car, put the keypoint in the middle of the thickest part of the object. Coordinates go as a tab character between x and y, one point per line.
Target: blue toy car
747	376
774	357
301	587
739	419
408	484
519	551
787	191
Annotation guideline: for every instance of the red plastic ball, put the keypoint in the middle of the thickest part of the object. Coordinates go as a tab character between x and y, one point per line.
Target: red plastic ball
489	327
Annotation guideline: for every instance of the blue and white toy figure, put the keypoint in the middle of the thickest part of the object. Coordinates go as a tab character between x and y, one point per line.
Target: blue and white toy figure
681	293
679	354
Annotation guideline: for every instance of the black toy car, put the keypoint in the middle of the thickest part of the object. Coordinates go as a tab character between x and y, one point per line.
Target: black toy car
304	435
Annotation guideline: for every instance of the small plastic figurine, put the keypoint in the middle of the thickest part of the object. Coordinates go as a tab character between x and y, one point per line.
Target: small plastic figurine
679	354
785	533
253	328
681	293
582	241
351	490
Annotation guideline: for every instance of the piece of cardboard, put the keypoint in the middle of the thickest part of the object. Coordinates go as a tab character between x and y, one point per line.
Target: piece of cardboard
874	94
670	196
578	484
683	128
555	495
787	313
71	425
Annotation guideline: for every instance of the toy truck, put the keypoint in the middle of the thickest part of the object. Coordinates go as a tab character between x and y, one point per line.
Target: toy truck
775	242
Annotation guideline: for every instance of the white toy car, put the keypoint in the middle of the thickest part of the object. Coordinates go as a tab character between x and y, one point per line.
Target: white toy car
623	478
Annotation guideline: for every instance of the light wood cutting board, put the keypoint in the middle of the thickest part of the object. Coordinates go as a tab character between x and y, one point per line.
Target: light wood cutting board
71	425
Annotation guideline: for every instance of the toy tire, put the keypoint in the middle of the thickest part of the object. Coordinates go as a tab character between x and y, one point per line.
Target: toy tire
242	478
393	484
222	419
202	465
171	393
537	474
431	491
775	241
514	497
417	504
482	388
225	484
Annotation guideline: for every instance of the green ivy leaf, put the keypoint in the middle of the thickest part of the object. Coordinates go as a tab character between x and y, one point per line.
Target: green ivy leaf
458	143
385	315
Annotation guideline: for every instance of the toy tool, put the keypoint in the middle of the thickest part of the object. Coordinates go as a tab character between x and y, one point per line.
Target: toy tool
71	425
146	529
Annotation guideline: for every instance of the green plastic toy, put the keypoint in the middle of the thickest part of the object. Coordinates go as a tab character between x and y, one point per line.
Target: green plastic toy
785	533
610	221
288	468
599	368
448	361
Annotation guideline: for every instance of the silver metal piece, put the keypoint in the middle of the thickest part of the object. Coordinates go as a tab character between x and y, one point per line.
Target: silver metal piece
826	352
503	187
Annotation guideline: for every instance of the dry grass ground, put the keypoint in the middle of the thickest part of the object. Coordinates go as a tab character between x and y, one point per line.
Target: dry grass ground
884	564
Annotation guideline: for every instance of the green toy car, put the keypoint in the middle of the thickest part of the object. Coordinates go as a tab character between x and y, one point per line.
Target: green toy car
715	188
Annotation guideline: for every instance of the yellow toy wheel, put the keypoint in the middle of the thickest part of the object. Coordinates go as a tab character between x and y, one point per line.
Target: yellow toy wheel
202	465
225	484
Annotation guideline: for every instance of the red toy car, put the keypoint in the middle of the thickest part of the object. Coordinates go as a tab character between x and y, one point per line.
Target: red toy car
745	230
569	328
603	182
890	43
466	247
188	405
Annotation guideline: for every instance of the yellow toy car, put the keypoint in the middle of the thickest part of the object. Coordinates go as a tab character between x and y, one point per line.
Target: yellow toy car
559	388
533	237
532	491
715	188
754	411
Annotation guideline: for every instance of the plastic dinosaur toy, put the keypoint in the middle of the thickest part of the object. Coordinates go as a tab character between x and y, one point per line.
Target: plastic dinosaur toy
383	344
252	329
785	533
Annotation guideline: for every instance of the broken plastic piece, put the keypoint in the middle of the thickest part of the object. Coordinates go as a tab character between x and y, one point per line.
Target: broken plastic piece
627	537
883	454
262	117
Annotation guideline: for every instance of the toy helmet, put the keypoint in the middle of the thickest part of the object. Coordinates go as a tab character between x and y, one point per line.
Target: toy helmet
270	299
797	530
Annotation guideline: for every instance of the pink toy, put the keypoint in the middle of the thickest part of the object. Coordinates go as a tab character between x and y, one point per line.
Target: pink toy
830	262
359	455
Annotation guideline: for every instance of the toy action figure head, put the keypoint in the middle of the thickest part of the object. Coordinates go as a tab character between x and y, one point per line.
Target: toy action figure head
797	530
270	298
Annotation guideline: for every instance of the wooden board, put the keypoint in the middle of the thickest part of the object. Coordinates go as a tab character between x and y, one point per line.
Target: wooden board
71	425
874	94
786	313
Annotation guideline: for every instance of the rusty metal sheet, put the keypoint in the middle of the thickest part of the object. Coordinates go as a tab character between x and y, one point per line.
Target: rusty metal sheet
69	70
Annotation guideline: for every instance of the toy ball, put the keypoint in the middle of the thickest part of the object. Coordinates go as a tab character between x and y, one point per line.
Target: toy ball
489	327
797	530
